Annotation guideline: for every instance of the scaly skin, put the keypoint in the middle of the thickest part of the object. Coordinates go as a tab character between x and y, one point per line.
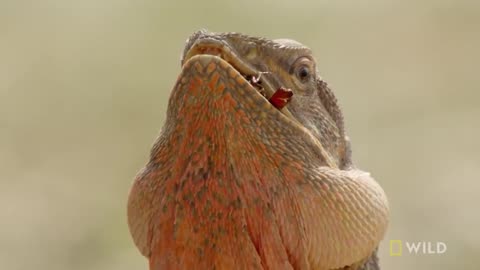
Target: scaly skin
234	183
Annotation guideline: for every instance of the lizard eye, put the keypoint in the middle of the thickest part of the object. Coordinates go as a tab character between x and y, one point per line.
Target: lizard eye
303	69
303	73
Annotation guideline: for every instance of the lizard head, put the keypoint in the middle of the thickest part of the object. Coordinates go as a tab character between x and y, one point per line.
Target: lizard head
231	166
282	63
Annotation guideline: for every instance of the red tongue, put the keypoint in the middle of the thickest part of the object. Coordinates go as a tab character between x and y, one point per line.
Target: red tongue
281	97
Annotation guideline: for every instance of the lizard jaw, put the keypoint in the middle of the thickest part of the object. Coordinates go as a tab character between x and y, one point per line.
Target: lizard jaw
205	45
214	47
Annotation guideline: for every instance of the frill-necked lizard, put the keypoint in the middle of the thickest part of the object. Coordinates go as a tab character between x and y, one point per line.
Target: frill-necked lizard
239	179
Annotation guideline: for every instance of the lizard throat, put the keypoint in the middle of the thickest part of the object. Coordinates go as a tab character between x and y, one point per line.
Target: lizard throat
214	95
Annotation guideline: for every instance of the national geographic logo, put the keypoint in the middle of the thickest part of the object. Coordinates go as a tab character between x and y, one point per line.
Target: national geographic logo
416	248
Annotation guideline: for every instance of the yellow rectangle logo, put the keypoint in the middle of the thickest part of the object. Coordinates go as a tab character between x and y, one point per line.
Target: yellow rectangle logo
395	248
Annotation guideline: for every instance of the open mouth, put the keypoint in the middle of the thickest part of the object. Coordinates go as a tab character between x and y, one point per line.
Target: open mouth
279	97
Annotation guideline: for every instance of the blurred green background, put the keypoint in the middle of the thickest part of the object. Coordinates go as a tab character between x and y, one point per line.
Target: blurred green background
83	93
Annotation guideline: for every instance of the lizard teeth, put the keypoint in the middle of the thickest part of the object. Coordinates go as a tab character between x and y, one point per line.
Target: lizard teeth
256	83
